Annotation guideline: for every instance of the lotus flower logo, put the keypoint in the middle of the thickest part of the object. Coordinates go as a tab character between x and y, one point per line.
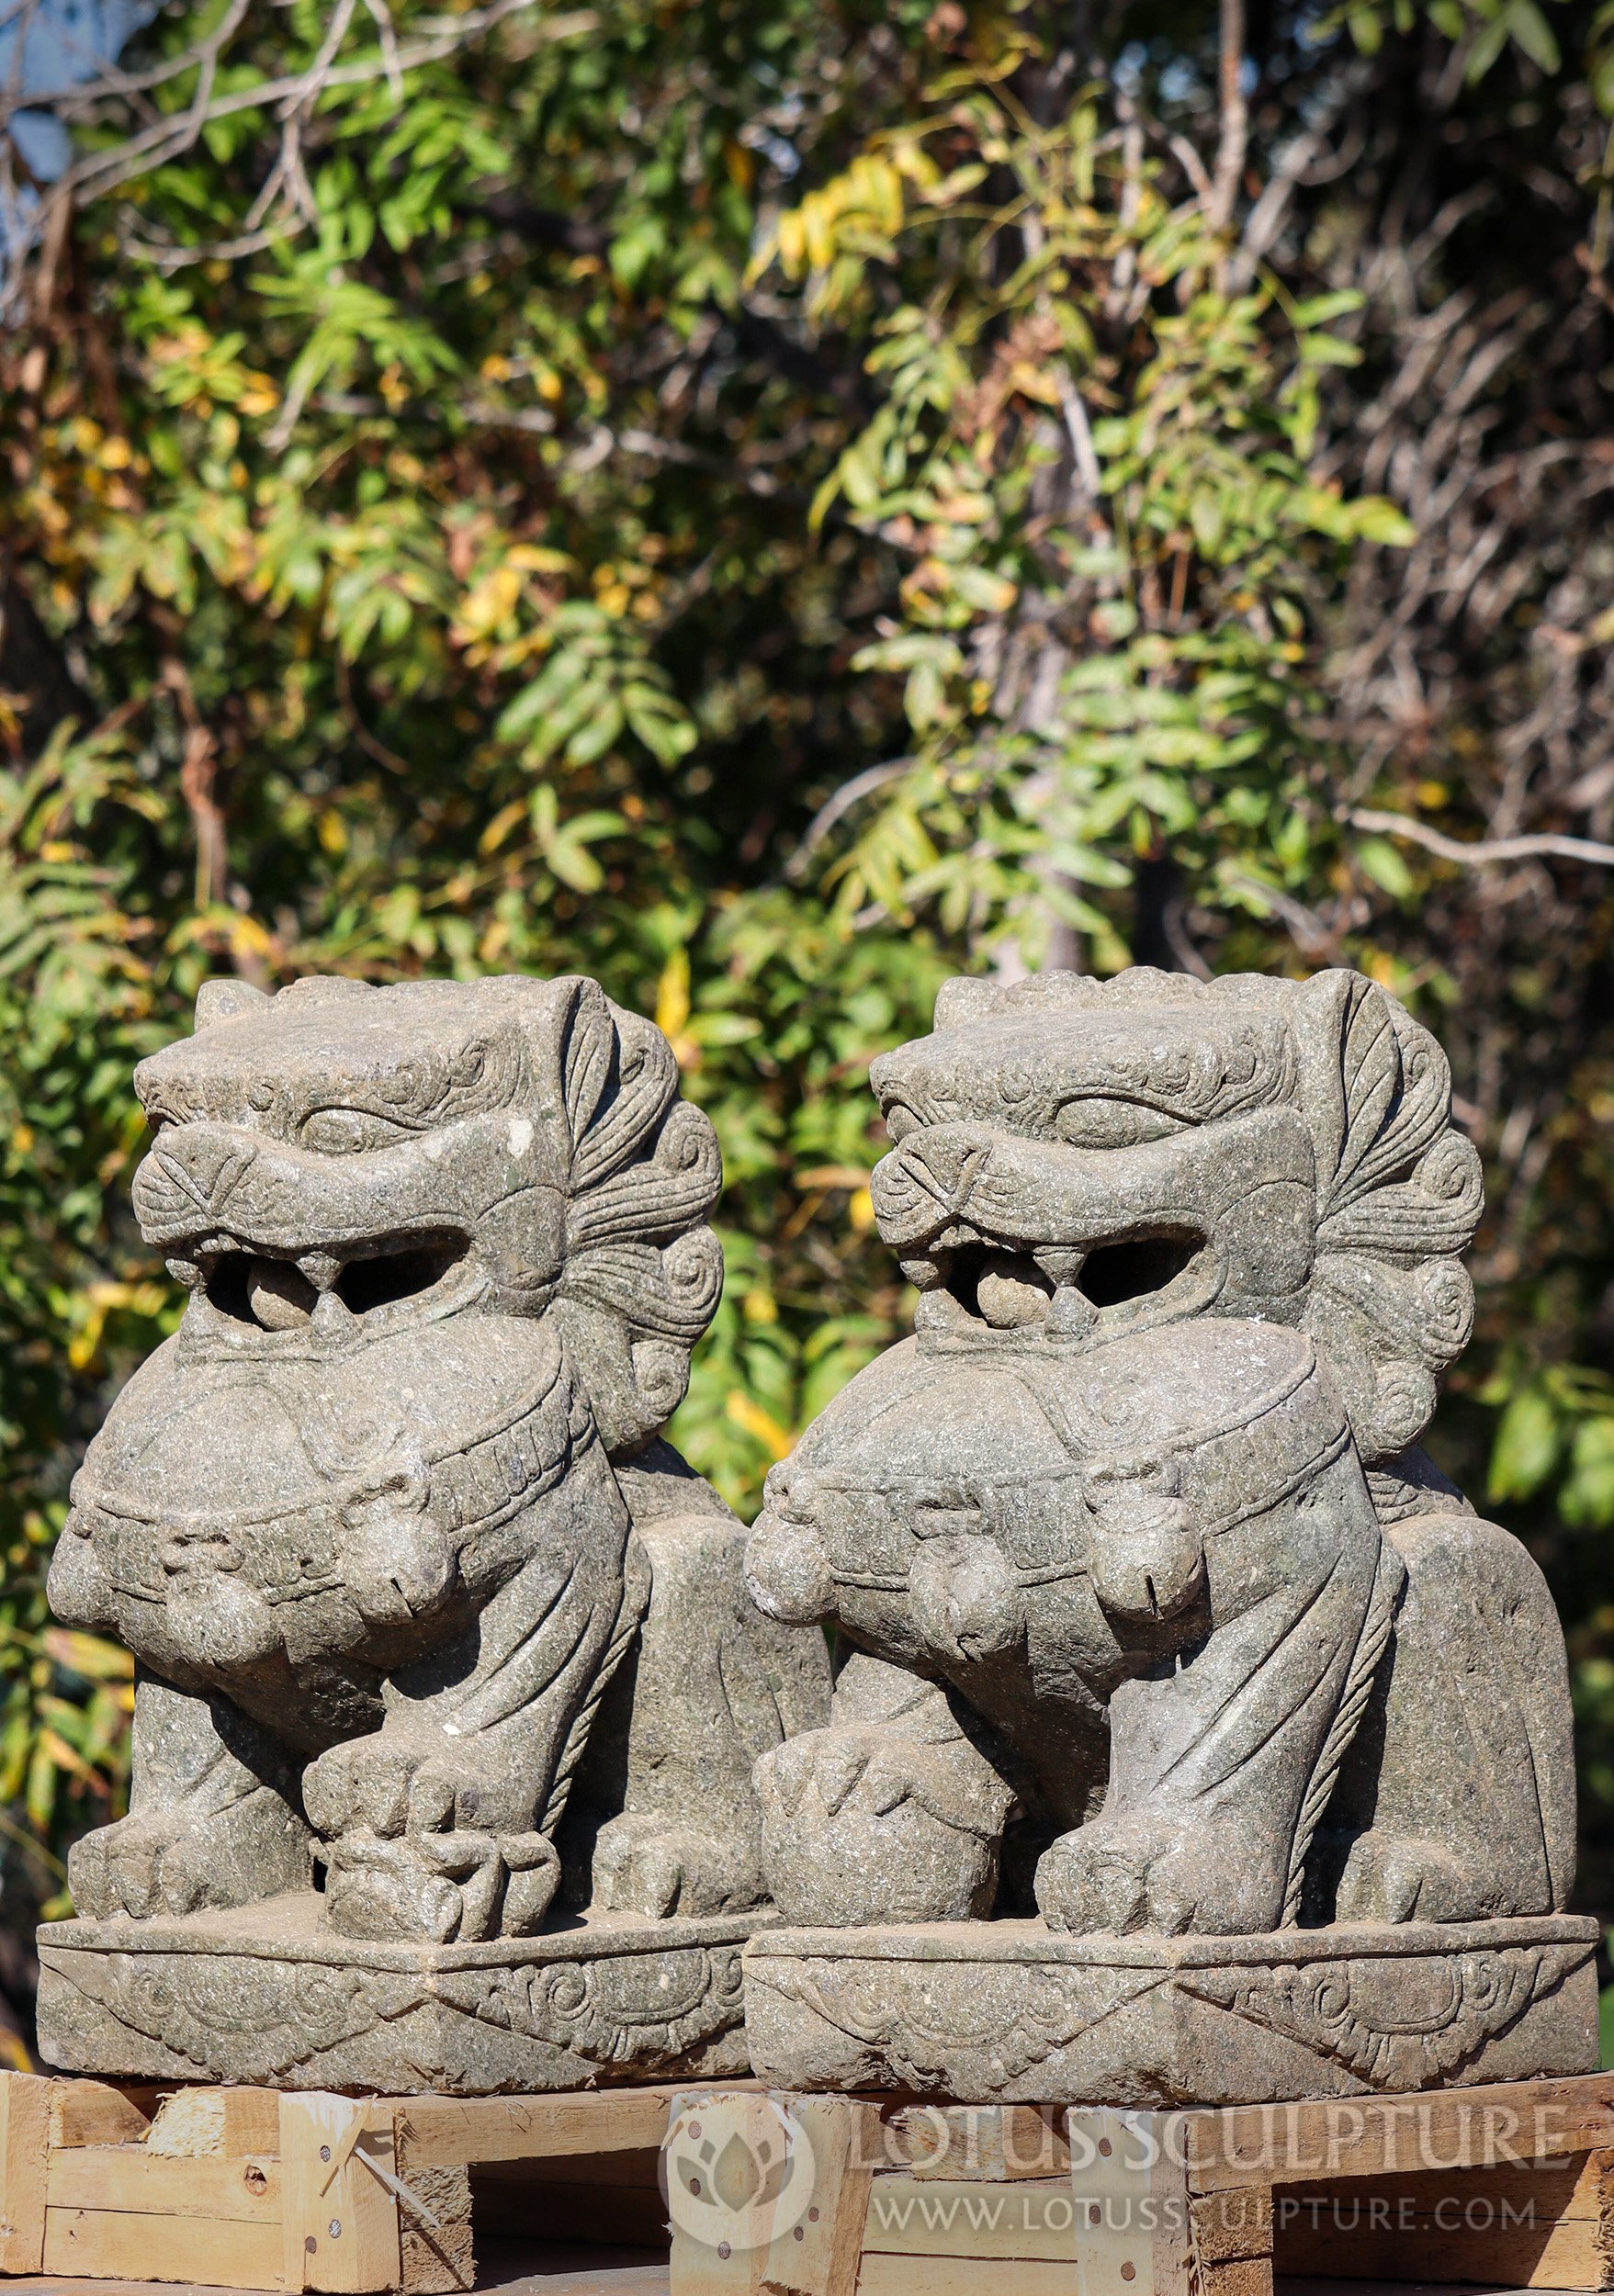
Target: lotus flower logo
738	2188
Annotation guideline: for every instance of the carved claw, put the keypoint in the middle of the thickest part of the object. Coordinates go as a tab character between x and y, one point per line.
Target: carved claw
180	1860
645	1864
1168	1869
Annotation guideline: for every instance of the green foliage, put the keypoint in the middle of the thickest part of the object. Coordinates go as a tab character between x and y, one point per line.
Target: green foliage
1081	420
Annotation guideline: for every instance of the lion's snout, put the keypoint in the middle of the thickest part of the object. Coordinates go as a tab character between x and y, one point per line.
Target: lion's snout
185	1183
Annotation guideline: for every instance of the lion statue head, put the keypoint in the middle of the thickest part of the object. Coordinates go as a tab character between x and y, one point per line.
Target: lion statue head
1076	1158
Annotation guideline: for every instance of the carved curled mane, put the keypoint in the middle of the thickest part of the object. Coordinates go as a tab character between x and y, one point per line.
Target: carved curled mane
1399	1196
642	1273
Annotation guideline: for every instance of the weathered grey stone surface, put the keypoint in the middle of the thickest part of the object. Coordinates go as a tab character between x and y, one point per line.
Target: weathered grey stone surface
1133	1535
269	1994
422	1607
1014	2011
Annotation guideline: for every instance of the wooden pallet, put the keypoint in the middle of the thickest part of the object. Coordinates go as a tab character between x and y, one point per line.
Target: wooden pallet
1513	2183
259	2189
255	2188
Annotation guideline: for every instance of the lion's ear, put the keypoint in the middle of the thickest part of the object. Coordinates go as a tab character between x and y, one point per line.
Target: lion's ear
225	999
963	1001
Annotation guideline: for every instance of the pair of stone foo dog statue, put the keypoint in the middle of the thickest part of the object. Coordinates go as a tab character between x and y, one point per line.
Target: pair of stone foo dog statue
1175	1676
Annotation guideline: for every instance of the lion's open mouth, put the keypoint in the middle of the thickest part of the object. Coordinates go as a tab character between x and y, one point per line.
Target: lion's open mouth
275	1294
1059	1288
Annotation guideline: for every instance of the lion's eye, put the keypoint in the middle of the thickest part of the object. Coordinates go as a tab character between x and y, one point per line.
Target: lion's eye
1100	1122
346	1131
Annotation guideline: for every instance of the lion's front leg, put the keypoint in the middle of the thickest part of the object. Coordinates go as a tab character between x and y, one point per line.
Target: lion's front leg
213	1819
712	1685
1222	1761
439	1825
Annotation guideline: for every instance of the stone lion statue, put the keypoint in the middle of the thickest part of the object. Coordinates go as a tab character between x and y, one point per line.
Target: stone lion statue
409	1578
1159	1619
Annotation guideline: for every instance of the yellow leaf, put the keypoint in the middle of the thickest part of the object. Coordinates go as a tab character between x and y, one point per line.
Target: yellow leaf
672	995
86	1654
499	828
489	603
759	1423
861	1211
66	1757
792	240
758	1306
532	557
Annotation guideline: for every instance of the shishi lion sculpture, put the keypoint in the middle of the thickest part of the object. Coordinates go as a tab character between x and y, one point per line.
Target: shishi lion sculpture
386	1521
1148	1588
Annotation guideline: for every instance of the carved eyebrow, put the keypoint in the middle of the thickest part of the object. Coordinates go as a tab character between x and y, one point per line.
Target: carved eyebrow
386	1122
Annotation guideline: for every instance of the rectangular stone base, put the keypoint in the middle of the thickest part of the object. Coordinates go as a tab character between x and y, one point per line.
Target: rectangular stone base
1010	2011
268	1995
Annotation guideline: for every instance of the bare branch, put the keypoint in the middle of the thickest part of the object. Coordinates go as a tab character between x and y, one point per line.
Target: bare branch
1235	137
1484	852
850	793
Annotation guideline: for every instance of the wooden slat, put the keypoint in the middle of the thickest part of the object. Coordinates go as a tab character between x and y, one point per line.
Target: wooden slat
964	2142
1238	2276
961	2276
1566	2256
1231	2227
438	2257
1369	2136
815	2250
129	2179
923	2216
620	2170
1541	2193
94	2112
340	2221
447	2132
107	2243
1127	2175
24	2122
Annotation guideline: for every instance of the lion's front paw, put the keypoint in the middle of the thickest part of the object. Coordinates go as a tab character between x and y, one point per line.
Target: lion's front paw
385	1786
416	1847
1167	1869
645	1864
180	1860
